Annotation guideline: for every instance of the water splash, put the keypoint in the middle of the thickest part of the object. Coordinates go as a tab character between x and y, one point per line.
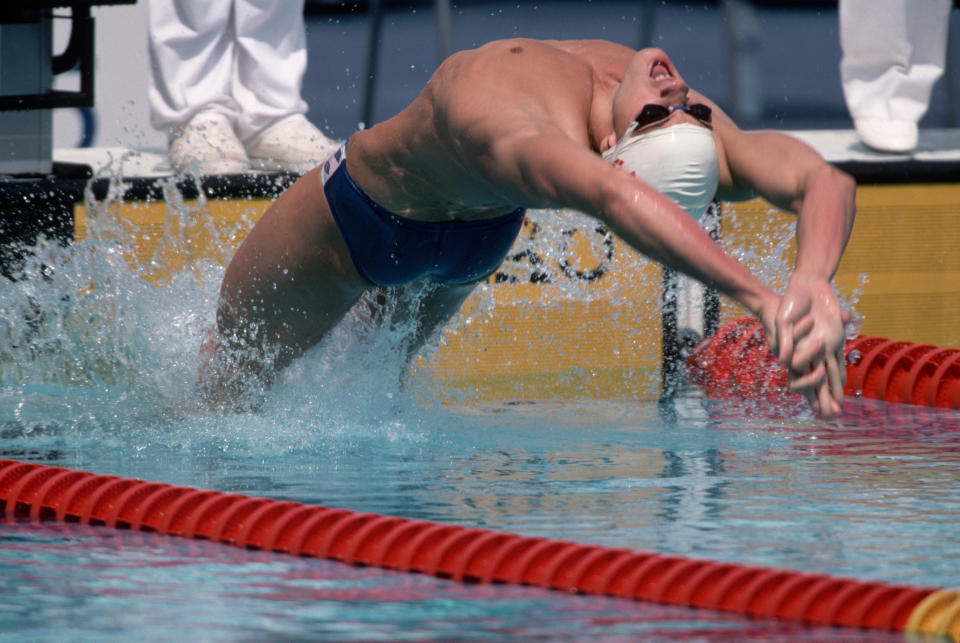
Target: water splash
770	253
99	346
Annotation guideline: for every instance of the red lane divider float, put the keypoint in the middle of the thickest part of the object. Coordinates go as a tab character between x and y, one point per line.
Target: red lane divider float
737	361
478	555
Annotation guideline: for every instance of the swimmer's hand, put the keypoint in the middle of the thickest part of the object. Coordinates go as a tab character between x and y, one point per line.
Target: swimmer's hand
809	339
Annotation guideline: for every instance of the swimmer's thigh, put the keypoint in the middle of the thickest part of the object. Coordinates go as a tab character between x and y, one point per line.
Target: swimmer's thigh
292	279
436	307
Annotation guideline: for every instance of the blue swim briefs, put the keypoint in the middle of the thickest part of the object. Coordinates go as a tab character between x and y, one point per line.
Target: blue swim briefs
391	250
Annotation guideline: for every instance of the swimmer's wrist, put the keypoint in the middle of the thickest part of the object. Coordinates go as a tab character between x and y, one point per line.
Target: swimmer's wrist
810	276
756	303
809	272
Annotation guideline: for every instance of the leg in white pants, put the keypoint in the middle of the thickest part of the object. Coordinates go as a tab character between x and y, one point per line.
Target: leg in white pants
270	65
191	60
227	75
893	54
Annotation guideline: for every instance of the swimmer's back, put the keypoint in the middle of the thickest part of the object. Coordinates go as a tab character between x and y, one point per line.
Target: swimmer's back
434	161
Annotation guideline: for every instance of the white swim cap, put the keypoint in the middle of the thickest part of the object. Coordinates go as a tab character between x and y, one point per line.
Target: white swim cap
679	160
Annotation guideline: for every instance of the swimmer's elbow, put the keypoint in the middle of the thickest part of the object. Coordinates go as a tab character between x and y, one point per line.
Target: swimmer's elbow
848	198
840	180
826	179
847	183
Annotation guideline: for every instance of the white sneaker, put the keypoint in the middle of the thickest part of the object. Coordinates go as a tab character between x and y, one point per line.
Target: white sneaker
294	145
208	145
885	135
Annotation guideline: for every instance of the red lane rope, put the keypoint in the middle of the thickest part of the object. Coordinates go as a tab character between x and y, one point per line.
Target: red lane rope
737	361
43	492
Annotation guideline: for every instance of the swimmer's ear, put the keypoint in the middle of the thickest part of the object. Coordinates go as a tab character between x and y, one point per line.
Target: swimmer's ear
608	141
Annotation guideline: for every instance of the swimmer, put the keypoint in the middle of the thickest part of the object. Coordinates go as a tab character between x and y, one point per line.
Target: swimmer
438	193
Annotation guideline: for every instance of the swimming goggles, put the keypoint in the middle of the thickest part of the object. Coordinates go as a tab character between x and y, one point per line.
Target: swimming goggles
653	113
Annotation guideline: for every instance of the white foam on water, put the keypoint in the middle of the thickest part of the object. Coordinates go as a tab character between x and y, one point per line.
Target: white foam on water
90	350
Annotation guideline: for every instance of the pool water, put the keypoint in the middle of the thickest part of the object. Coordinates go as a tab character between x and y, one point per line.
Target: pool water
851	498
96	372
87	583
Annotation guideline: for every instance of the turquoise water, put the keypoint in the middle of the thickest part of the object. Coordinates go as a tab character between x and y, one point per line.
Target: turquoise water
850	498
96	366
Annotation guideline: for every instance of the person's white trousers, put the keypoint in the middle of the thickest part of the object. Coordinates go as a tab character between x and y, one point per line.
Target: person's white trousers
243	58
893	54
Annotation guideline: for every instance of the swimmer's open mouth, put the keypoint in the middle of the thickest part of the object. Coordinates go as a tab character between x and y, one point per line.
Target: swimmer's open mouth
660	69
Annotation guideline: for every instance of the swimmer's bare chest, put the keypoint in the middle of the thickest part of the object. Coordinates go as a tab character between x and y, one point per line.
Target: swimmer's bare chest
435	162
424	185
424	182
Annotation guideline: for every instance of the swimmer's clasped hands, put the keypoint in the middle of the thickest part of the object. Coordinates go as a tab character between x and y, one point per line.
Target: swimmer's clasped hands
809	339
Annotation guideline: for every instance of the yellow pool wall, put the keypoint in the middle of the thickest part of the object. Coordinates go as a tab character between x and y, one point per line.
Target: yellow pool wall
601	338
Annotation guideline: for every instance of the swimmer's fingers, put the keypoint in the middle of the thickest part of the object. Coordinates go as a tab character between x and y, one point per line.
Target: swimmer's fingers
798	332
768	319
790	332
837	376
829	406
822	387
794	307
820	400
784	339
808	352
803	327
812	400
815	378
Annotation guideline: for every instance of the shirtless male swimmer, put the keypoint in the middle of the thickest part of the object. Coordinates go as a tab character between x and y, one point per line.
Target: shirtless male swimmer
438	192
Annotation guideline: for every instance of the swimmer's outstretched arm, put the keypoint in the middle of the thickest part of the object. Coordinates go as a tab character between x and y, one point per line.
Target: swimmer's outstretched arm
541	167
809	330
